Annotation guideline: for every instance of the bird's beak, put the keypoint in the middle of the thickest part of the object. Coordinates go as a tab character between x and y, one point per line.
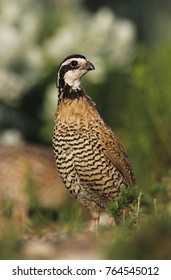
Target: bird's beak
89	66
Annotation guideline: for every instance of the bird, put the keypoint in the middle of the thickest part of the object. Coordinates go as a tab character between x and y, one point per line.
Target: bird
90	158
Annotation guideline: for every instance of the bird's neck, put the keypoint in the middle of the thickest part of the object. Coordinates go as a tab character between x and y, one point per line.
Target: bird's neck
78	110
69	92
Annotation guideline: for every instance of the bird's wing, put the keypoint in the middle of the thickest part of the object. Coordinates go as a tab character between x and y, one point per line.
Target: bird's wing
115	152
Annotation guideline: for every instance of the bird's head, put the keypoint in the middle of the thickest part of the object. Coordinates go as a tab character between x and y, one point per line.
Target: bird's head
71	70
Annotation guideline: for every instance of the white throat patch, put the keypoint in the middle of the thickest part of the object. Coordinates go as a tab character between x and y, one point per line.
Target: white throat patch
72	78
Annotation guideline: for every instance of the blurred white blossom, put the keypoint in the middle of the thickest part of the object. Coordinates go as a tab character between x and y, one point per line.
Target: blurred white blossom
28	49
19	26
11	136
101	35
11	85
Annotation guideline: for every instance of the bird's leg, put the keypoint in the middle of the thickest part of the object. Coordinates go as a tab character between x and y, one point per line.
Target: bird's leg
96	218
111	221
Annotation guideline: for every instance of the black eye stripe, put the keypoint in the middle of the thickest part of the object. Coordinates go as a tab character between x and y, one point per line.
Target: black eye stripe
64	69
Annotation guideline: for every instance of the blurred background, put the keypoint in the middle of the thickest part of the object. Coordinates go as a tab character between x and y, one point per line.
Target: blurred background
129	42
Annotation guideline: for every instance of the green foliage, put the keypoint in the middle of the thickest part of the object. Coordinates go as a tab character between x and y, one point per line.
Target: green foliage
142	230
71	216
135	101
144	233
126	206
9	208
10	242
30	189
151	241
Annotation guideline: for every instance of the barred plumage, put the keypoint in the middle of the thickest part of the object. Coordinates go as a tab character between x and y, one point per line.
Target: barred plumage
89	156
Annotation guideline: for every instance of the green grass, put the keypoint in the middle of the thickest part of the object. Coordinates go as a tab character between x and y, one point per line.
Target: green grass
142	231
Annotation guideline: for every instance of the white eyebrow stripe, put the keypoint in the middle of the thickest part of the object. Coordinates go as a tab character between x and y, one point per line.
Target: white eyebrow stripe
68	61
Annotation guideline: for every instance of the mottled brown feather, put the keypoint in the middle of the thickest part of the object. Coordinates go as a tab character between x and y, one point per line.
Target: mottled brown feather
90	158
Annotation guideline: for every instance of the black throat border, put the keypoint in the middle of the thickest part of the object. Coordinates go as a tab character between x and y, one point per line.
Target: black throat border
68	92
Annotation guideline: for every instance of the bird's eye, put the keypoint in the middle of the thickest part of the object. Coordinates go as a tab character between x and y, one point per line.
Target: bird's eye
74	63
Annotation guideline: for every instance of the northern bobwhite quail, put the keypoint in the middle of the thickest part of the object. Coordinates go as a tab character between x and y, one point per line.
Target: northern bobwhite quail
89	156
